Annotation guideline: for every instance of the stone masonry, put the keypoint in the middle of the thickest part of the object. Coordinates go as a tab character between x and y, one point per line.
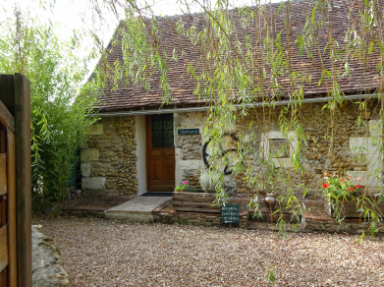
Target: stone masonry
189	162
316	154
108	160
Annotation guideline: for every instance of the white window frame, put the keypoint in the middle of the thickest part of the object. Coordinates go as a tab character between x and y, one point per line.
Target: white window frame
292	142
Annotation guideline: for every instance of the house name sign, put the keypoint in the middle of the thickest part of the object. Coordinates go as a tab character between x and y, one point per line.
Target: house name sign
188	131
230	213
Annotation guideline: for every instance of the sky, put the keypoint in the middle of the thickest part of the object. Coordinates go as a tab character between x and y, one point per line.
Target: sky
77	14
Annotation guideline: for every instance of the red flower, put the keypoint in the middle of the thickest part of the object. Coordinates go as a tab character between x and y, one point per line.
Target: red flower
348	177
351	188
358	186
325	185
341	179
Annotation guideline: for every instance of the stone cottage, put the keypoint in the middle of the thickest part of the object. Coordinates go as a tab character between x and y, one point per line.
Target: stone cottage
140	146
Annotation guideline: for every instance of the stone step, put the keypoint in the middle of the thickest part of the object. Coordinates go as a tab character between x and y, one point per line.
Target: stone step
138	209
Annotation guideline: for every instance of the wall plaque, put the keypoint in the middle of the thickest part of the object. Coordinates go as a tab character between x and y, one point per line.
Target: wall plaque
188	131
230	213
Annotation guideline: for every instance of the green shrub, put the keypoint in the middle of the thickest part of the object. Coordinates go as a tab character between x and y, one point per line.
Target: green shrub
58	105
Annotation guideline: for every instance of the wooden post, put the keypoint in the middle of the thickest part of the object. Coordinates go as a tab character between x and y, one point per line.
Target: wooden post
12	240
3	173
2	140
23	180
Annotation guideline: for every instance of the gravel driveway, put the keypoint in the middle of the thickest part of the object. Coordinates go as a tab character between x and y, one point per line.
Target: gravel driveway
98	252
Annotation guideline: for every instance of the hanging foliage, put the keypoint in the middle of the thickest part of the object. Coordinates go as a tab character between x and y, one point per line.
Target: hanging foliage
265	53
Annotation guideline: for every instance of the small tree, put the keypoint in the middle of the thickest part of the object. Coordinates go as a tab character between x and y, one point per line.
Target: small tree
59	107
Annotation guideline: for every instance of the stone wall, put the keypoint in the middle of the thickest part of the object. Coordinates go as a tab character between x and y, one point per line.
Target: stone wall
108	160
341	157
307	222
311	223
318	155
169	216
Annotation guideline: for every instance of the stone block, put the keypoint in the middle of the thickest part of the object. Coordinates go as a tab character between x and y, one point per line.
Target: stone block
89	154
93	183
358	144
374	161
96	130
107	154
85	169
375	128
110	184
368	146
374	145
276	135
363	145
191	164
279	162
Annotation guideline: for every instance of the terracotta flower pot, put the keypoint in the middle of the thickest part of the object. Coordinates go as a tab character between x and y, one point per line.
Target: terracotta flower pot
270	201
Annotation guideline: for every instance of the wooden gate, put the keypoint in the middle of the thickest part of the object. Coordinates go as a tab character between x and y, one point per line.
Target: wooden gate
15	182
8	249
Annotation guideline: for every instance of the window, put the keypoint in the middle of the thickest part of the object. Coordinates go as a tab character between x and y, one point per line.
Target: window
277	146
162	131
273	141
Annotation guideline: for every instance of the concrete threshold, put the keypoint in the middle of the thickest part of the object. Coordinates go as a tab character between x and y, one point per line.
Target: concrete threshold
138	209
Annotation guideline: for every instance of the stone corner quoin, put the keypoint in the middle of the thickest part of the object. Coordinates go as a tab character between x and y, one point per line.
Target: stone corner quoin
108	159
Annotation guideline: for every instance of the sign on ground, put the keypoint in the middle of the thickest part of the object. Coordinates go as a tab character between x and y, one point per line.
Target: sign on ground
230	213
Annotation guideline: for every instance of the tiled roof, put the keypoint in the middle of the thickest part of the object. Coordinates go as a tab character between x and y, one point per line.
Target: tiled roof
363	72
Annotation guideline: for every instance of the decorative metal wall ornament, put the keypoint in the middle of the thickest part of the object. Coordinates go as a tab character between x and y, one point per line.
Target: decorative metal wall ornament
222	153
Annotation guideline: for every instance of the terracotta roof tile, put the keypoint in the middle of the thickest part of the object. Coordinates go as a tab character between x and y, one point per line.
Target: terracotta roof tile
362	77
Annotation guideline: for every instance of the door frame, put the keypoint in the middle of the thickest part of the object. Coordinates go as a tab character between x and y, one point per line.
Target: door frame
148	147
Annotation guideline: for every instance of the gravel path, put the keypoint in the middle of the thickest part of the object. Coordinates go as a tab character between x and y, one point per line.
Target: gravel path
98	252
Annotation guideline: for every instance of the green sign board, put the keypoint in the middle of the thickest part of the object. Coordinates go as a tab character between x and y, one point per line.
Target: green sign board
188	131
230	213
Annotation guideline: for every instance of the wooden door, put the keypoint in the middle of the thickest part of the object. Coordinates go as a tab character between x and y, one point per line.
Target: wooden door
160	153
7	201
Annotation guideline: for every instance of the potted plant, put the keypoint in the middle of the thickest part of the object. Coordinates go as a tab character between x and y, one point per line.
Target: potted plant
340	194
208	181
185	187
273	177
185	199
